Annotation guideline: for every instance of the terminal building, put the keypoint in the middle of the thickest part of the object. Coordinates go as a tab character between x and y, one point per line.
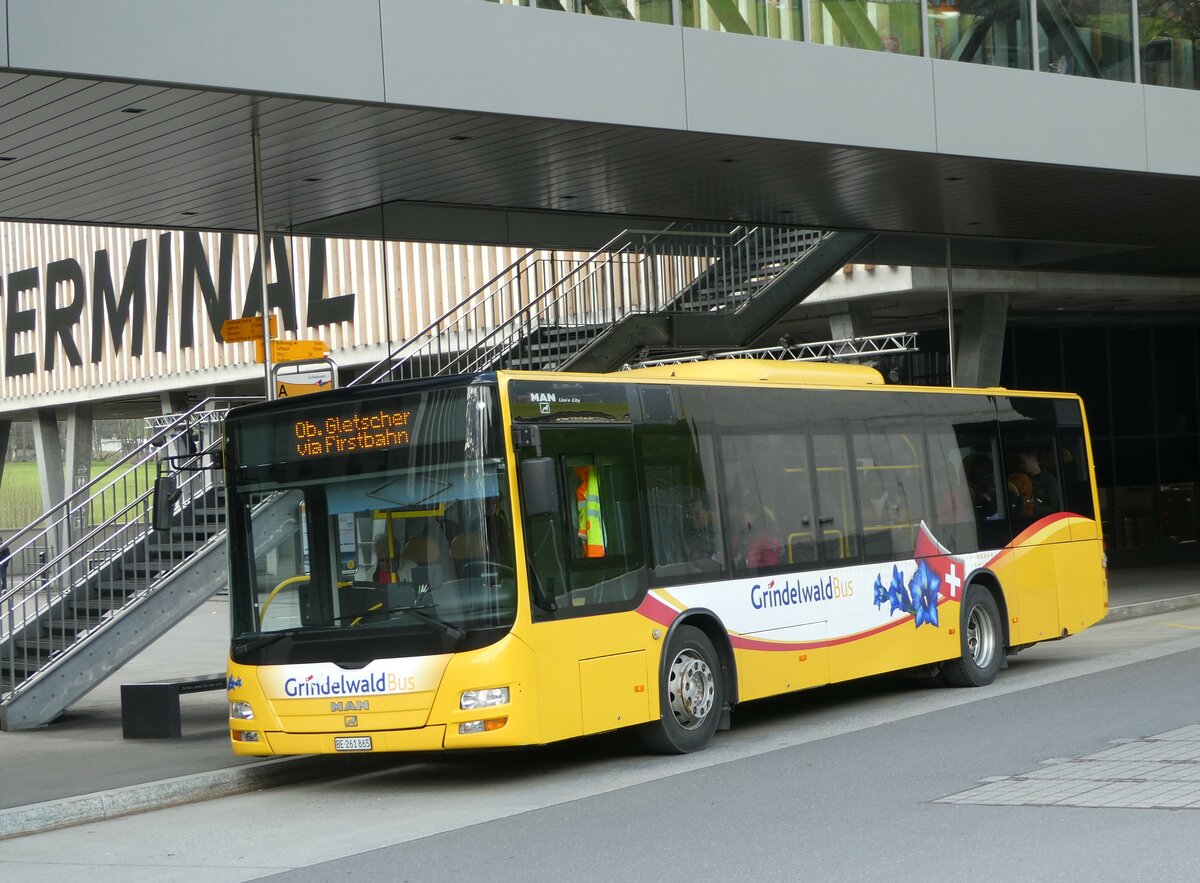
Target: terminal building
434	180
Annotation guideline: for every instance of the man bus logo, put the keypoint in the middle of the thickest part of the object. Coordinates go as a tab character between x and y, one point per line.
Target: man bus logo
351	705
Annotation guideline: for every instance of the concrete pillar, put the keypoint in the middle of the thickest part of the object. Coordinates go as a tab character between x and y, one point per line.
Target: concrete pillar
79	463
47	446
5	430
853	319
981	340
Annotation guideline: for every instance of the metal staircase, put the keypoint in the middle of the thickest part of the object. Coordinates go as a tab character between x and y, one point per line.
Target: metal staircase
99	584
683	288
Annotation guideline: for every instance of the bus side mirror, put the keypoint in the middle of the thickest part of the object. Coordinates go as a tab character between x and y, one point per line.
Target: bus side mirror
539	487
163	502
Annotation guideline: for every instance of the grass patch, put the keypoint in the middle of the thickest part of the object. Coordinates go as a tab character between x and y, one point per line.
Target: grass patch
21	495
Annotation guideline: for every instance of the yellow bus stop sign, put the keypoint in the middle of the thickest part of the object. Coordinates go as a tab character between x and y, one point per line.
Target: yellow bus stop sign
242	330
292	350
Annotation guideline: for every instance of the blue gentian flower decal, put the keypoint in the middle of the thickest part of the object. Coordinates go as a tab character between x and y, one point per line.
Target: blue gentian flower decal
898	593
924	586
881	593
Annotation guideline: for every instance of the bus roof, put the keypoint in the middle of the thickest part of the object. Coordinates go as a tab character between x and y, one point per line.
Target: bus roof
760	370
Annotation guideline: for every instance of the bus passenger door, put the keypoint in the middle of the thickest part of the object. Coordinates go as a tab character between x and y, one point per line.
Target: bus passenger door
1029	442
585	563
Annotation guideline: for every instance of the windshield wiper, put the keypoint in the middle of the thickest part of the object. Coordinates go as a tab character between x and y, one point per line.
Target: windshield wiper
263	641
439	625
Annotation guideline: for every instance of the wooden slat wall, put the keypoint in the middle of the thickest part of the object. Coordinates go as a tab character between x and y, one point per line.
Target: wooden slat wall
400	288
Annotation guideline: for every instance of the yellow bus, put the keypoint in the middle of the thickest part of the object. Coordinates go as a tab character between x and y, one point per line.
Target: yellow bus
516	558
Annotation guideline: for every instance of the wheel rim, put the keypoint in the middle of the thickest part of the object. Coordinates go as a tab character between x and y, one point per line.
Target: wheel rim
981	637
691	689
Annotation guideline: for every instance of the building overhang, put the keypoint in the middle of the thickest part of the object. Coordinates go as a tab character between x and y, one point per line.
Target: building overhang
459	120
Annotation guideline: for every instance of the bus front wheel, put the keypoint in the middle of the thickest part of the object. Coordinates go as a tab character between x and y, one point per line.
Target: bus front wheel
691	695
982	637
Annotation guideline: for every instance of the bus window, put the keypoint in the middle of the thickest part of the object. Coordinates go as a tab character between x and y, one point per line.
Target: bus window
979	446
1073	459
953	502
1029	436
889	468
684	520
836	521
587	557
280	567
769	488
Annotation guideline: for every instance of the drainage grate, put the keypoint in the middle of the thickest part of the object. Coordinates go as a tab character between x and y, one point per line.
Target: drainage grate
1155	772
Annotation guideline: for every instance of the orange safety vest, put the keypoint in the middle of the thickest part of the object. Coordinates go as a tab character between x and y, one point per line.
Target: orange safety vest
587	501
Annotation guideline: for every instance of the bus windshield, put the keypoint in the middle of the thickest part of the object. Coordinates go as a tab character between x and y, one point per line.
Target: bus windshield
370	528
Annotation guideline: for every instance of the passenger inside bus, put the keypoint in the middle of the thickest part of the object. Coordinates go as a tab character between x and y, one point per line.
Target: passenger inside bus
981	481
1043	496
389	568
755	537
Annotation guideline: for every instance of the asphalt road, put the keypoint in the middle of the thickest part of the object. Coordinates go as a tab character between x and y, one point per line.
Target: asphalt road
837	784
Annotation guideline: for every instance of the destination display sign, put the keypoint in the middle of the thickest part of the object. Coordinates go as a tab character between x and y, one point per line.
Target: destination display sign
348	433
355	431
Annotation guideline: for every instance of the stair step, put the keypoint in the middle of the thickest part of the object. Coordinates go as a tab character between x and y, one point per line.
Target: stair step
147	568
198	534
42	646
95	607
24	663
74	624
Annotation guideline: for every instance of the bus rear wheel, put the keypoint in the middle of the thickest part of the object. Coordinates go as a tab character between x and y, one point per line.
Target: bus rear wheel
982	639
691	695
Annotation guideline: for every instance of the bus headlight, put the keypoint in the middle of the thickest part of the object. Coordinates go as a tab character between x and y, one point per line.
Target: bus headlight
241	711
483	698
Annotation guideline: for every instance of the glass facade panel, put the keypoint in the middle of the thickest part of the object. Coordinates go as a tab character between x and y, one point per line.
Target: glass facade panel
781	19
1132	367
1169	31
1085	370
994	32
863	24
1175	378
1135	467
640	10
1086	38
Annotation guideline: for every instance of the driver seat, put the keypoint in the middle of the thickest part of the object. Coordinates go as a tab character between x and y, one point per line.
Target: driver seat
467	548
426	554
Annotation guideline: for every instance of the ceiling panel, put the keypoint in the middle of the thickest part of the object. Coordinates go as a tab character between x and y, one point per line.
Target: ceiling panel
73	154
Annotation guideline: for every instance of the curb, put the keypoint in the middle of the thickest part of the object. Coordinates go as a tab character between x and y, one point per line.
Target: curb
1149	608
86	808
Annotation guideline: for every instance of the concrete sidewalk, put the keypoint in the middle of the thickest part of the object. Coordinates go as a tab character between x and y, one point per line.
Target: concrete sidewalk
80	769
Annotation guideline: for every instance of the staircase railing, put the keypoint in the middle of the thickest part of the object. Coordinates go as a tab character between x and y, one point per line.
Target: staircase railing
433	349
91	555
680	268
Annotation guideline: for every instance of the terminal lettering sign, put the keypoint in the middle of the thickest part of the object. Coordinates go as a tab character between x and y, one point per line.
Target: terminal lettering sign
52	311
339	434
